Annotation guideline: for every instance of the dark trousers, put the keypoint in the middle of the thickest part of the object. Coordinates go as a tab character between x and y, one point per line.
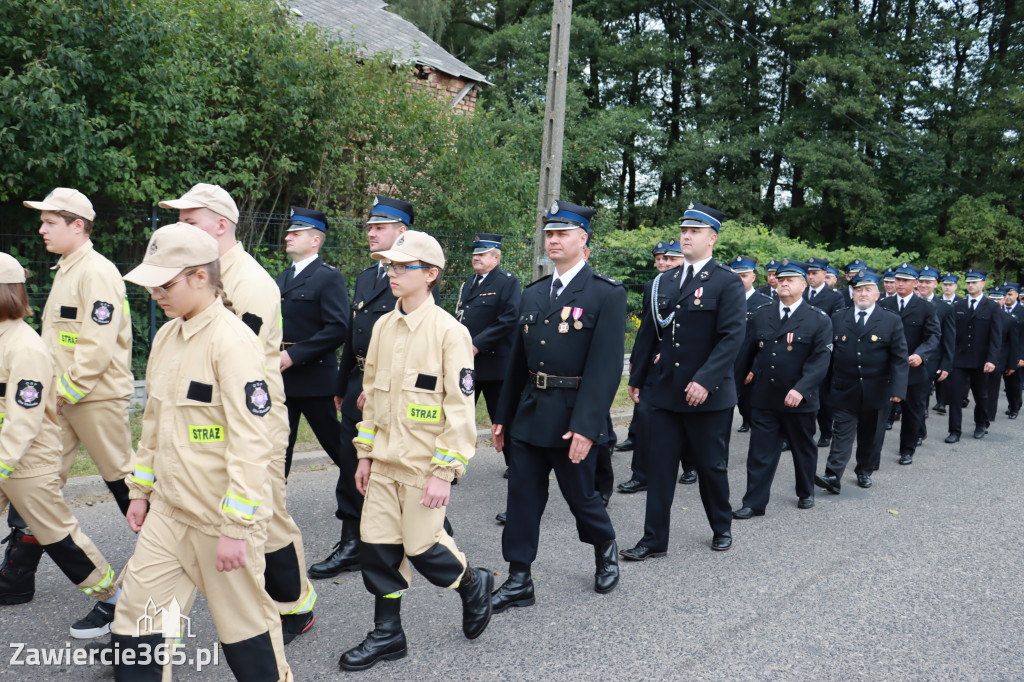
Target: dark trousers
826	415
1013	387
868	428
631	432
766	429
704	436
641	439
743	404
943	390
912	422
994	379
976	381
529	468
350	502
604	475
323	420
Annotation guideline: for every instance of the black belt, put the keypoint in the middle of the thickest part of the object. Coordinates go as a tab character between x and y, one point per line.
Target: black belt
287	345
545	381
361	361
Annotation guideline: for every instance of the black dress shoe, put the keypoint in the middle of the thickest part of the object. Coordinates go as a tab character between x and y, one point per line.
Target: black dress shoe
953	438
906	458
500	518
606	498
829	482
295	624
863	480
505	475
967	401
517	590
720	543
888	426
688	477
1013	415
624	446
606	562
746	513
824	441
785	445
805	502
632	486
941	409
744	427
980	432
640	553
1007	412
386	642
344	556
476	601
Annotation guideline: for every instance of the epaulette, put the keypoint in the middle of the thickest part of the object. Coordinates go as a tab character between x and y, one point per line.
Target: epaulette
725	267
820	311
545	278
328	265
608	279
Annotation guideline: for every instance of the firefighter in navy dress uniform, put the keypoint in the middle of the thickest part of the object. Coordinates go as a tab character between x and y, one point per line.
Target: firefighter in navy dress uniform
565	368
746	268
1008	356
943	389
941	363
1013	381
819	295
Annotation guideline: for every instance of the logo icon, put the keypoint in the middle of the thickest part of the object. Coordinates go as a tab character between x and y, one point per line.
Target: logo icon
168	622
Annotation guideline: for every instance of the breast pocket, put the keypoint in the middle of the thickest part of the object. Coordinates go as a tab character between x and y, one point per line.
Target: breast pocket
200	420
381	391
304	294
423	393
702	304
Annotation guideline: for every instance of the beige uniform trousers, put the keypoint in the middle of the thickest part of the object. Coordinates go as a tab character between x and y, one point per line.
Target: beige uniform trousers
171	560
393	515
41	504
102	426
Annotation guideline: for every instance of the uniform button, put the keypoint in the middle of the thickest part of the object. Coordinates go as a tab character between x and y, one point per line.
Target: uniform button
542	364
677	345
546	321
678	307
359	331
677	364
542	342
773	355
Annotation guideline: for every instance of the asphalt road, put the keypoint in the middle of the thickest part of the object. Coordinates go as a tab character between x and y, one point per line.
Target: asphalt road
918	578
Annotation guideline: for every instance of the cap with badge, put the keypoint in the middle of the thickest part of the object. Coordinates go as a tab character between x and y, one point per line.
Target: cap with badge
928	274
814	264
1011	286
172	248
668	248
975	275
390	210
565	216
905	271
482	243
789	267
743	264
864	278
699	215
951	278
889	275
11	271
307	219
413	245
997	293
856	265
65	199
832	271
771	266
212	197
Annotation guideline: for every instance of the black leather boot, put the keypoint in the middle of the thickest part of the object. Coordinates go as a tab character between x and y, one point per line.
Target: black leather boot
606	575
344	557
18	572
475	591
516	591
386	642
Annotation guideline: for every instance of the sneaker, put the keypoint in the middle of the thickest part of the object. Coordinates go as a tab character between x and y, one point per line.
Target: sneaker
295	624
97	623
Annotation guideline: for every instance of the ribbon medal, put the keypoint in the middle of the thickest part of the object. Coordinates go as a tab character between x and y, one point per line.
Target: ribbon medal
563	326
789	341
697	294
576	314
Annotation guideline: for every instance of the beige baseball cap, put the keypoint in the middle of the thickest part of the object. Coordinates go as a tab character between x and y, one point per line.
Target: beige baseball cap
65	199
213	197
11	271
413	245
172	248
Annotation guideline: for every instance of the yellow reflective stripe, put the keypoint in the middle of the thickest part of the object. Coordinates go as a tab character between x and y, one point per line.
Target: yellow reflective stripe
280	319
239	505
307	605
68	339
447	457
68	388
2	415
5	471
424	413
366	436
214	433
101	585
144	476
393	595
127	311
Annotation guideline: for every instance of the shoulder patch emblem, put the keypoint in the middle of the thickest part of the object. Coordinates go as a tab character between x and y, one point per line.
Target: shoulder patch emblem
102	312
29	393
254	322
257	397
467	383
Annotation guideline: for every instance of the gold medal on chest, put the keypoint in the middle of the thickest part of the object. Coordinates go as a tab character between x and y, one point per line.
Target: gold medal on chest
563	327
844	338
696	301
577	325
360	305
789	347
874	338
526	329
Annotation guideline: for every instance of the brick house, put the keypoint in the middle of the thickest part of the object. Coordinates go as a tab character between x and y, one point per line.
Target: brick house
369	24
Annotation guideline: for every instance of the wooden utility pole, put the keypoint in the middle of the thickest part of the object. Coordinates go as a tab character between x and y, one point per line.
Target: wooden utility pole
554	128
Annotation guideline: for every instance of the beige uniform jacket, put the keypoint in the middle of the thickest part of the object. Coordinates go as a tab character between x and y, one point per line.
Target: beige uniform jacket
257	300
204	453
419	419
29	435
87	327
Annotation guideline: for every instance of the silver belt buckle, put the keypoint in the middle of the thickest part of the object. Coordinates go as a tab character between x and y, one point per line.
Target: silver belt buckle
542	380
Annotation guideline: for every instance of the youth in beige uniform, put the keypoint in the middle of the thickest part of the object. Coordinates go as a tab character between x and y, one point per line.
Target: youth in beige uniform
202	465
30	463
419	424
257	301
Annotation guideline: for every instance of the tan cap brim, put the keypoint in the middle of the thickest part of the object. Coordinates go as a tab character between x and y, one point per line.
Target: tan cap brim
183	203
42	206
393	255
146	275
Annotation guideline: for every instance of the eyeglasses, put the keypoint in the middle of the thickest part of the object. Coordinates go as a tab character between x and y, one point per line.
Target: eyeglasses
161	292
400	269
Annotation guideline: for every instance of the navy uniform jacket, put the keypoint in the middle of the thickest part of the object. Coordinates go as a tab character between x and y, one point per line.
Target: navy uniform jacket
491	314
847	297
868	367
790	356
1018	317
700	344
371	301
756	300
922	331
314	312
828	300
593	352
766	290
979	335
1010	344
645	309
943	360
